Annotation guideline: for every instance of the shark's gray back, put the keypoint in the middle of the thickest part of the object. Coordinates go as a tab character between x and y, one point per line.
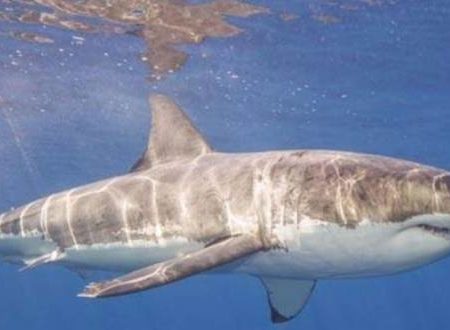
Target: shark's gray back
218	195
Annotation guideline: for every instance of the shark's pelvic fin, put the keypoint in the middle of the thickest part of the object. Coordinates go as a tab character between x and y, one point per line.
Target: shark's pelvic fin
172	136
176	269
287	297
45	259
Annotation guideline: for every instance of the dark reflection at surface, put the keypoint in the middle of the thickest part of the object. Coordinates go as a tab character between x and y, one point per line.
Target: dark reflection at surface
332	11
161	23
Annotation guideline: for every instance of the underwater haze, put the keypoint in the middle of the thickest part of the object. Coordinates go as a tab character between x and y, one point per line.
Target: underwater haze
368	76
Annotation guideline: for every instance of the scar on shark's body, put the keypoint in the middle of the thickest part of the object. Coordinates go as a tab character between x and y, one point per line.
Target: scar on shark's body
288	217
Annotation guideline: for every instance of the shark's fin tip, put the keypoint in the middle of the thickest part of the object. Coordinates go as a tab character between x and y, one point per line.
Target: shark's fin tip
85	295
287	297
90	291
277	317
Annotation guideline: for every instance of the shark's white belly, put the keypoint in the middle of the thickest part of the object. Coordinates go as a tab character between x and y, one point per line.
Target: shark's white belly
120	257
127	257
312	250
317	249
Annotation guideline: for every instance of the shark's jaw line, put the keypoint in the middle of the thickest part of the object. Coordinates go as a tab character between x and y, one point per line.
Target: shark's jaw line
434	224
435	230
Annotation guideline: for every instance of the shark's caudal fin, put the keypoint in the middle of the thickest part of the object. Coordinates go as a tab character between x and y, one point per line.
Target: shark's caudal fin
172	137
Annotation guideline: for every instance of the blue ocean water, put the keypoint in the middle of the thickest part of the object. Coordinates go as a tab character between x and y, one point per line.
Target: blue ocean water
376	81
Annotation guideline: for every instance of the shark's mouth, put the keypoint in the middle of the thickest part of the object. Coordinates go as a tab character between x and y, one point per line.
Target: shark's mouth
435	230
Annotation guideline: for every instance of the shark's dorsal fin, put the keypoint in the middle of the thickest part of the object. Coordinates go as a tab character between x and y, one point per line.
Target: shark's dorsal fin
172	137
287	297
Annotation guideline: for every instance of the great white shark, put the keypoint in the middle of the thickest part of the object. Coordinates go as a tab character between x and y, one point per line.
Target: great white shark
288	217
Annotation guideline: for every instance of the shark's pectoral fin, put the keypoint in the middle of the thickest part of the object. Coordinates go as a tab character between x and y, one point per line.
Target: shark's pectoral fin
176	269
287	297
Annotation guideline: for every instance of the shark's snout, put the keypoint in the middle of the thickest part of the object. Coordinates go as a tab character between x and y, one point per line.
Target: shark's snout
427	196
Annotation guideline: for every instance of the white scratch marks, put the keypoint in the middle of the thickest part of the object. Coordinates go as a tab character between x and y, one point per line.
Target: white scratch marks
22	216
124	210
44	217
436	197
69	217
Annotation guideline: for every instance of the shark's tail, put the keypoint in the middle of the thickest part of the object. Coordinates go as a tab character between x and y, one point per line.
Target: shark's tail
22	238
